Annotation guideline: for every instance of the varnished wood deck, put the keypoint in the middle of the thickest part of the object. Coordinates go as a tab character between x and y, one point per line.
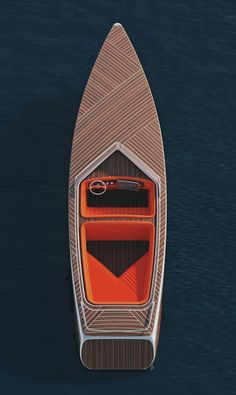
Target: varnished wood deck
117	107
117	354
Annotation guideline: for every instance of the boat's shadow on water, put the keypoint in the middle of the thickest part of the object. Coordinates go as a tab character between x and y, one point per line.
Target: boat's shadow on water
37	331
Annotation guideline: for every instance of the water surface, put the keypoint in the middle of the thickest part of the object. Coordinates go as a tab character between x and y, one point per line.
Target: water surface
47	51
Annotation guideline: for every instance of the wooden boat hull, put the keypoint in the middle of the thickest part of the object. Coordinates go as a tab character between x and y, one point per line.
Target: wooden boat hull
117	139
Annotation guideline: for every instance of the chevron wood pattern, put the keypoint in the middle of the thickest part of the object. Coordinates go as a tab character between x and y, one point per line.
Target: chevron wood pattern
117	106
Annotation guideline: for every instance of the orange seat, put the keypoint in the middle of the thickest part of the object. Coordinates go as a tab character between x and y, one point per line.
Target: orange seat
101	285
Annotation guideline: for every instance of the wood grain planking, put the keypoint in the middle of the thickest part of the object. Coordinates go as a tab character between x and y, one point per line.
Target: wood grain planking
117	106
117	354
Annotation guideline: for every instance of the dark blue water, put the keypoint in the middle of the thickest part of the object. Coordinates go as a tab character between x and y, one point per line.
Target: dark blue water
47	51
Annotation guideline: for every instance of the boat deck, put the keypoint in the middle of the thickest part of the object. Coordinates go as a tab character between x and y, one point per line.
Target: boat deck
117	134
